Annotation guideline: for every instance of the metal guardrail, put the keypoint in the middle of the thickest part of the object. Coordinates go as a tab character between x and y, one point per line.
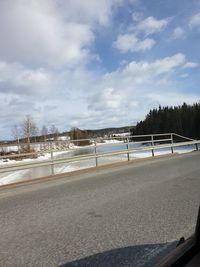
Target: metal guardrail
92	140
154	144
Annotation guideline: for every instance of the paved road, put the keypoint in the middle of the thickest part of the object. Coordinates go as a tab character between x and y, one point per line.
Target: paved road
119	216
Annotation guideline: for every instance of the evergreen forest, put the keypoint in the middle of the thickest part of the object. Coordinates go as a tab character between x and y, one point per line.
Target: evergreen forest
183	120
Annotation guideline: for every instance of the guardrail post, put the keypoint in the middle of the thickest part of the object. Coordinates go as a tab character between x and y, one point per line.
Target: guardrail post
197	148
127	146
172	148
95	151
152	142
52	165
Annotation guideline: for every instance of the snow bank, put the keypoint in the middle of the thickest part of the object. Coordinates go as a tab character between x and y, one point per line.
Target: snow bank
63	138
112	141
122	134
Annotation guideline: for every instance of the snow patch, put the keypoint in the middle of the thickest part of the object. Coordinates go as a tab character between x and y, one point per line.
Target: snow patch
112	141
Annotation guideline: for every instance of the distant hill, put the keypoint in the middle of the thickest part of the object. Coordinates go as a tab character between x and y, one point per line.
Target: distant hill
91	133
109	131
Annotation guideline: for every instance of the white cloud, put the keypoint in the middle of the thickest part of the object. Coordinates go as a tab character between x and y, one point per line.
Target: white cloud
92	12
194	21
87	100
108	99
80	92
134	2
141	72
172	98
178	33
137	16
51	32
19	80
136	87
166	64
184	75
44	47
191	65
130	42
151	25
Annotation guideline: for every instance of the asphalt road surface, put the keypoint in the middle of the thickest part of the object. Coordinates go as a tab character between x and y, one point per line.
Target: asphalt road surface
126	215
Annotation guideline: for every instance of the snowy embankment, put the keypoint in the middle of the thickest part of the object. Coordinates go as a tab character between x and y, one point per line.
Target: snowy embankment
6	178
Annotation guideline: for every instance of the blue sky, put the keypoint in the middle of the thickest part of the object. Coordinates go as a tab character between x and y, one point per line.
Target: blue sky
95	64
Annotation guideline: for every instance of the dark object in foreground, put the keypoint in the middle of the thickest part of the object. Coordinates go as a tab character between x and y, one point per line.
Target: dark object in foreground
184	253
187	253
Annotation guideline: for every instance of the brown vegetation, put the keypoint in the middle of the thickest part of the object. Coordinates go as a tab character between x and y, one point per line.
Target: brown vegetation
77	134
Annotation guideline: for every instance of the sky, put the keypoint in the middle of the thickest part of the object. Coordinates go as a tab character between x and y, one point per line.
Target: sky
94	64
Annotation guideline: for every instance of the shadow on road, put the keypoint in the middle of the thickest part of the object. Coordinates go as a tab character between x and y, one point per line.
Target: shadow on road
141	255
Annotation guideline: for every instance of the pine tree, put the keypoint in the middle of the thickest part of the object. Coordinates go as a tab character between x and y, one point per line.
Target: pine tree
184	120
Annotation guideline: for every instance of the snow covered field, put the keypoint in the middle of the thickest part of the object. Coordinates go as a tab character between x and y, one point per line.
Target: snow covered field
6	178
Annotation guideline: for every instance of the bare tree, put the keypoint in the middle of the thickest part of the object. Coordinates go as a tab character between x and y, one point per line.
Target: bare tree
16	134
54	132
44	132
29	128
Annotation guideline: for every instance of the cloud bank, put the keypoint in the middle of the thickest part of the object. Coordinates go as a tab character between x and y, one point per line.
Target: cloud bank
60	61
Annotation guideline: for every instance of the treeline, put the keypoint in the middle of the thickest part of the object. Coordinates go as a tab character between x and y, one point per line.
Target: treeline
184	120
108	131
